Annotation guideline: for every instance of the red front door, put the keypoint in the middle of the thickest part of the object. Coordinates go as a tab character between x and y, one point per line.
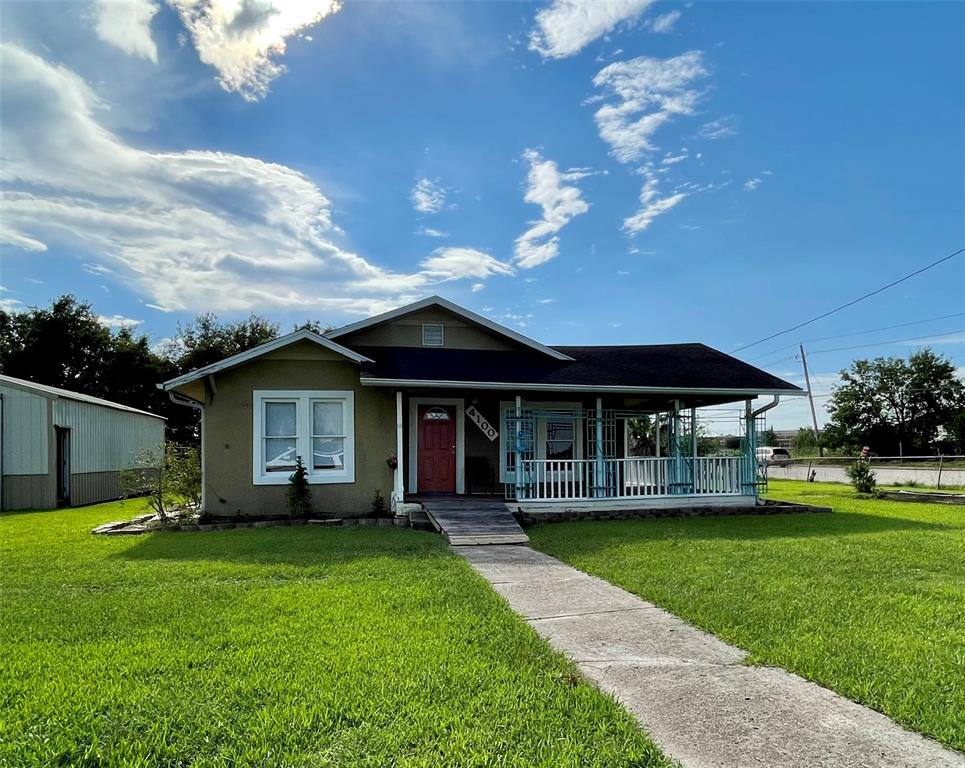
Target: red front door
437	449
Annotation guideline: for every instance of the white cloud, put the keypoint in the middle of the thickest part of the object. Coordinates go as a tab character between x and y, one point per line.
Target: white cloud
719	128
652	204
566	26
477	287
117	321
456	263
751	184
126	24
430	232
671	159
428	196
241	39
645	94
665	22
187	230
545	186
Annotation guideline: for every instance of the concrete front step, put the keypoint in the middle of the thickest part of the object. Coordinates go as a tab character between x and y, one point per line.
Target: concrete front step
483	539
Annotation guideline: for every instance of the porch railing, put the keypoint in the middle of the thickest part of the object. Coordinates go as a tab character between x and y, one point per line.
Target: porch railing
629	478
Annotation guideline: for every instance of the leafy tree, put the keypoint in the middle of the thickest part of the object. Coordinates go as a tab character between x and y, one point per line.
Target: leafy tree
895	405
805	441
769	437
207	340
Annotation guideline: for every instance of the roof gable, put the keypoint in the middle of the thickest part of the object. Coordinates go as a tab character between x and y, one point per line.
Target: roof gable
264	349
466	315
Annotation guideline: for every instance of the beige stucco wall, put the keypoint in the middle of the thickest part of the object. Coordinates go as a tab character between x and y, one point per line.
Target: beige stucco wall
407	332
229	436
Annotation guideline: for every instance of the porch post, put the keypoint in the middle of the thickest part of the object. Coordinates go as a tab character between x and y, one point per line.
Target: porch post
398	493
600	464
656	429
518	474
675	448
693	446
750	445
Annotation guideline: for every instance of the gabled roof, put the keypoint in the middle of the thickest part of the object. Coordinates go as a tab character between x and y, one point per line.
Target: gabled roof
438	301
692	368
52	393
264	349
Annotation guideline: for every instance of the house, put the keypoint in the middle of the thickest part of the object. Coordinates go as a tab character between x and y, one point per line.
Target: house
62	448
434	399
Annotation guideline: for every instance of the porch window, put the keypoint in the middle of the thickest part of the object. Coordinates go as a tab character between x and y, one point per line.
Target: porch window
316	425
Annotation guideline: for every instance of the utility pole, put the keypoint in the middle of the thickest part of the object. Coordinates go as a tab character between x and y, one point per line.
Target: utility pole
814	416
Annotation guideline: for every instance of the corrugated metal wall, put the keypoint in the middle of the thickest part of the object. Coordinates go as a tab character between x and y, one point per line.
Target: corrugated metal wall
105	439
25	446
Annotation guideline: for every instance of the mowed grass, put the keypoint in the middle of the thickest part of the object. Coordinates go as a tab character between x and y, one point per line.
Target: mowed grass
868	601
277	647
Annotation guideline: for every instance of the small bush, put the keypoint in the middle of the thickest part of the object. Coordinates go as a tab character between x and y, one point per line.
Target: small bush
862	478
379	507
169	477
299	492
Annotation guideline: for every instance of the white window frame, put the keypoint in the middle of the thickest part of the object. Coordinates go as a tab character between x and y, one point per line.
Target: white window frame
442	334
506	406
303	399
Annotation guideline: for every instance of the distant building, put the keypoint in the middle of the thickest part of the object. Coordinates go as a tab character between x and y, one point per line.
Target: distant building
785	438
60	448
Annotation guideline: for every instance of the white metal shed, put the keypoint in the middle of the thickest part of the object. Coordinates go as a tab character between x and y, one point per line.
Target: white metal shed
62	448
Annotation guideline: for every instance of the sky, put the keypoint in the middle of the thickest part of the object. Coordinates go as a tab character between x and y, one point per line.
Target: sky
605	172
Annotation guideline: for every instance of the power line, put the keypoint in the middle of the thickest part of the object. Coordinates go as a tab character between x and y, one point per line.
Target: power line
853	301
859	333
886	343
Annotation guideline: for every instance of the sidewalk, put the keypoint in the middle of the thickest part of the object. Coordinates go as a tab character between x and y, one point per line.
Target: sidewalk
690	691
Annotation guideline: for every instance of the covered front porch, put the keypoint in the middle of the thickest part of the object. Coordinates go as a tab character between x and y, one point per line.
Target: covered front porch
578	449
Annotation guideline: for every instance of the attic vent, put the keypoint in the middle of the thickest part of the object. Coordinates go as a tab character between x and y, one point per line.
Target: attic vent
432	335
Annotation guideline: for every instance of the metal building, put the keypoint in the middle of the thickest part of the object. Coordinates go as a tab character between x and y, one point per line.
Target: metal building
61	448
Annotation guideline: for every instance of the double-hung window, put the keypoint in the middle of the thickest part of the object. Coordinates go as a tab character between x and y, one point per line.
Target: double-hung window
317	425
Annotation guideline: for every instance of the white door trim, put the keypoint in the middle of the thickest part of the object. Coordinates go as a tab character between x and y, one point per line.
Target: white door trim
414	403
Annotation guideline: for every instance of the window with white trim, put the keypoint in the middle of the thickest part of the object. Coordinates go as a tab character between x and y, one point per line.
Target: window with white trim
318	425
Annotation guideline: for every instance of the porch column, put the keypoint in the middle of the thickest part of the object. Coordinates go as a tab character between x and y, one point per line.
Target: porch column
750	449
693	446
656	431
675	448
398	492
518	474
601	488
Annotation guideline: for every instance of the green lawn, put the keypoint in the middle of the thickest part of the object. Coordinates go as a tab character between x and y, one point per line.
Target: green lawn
277	647
868	601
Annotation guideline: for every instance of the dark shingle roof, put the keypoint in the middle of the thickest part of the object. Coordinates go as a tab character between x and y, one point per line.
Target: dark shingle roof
671	366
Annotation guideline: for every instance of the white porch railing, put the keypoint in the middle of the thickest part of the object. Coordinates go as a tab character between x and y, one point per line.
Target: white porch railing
628	478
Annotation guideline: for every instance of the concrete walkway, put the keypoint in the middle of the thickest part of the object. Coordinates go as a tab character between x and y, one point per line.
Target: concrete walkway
472	520
690	691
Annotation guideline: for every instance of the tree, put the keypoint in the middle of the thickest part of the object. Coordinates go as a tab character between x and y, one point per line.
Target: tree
894	405
769	437
207	340
805	441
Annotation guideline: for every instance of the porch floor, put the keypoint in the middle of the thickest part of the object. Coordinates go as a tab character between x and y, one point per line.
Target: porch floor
470	520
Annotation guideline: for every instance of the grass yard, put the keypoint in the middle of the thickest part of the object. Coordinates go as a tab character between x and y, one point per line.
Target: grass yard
868	601
277	647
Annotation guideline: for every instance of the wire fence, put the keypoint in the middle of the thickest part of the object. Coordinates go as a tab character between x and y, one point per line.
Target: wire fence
934	471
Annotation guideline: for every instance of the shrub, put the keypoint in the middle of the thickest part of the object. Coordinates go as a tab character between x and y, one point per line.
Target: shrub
379	507
169	477
862	478
299	492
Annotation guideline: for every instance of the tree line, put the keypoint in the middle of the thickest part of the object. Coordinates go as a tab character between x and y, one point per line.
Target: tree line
66	345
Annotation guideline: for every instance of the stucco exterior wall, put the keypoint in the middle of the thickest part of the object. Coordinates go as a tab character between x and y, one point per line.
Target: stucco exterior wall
229	436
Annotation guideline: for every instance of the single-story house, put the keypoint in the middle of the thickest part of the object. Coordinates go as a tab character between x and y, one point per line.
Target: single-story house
61	448
431	398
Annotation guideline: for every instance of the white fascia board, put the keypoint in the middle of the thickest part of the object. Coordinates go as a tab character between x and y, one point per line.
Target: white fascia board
603	389
263	349
455	309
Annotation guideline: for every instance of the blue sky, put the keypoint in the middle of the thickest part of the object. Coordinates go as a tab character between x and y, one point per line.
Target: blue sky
587	172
